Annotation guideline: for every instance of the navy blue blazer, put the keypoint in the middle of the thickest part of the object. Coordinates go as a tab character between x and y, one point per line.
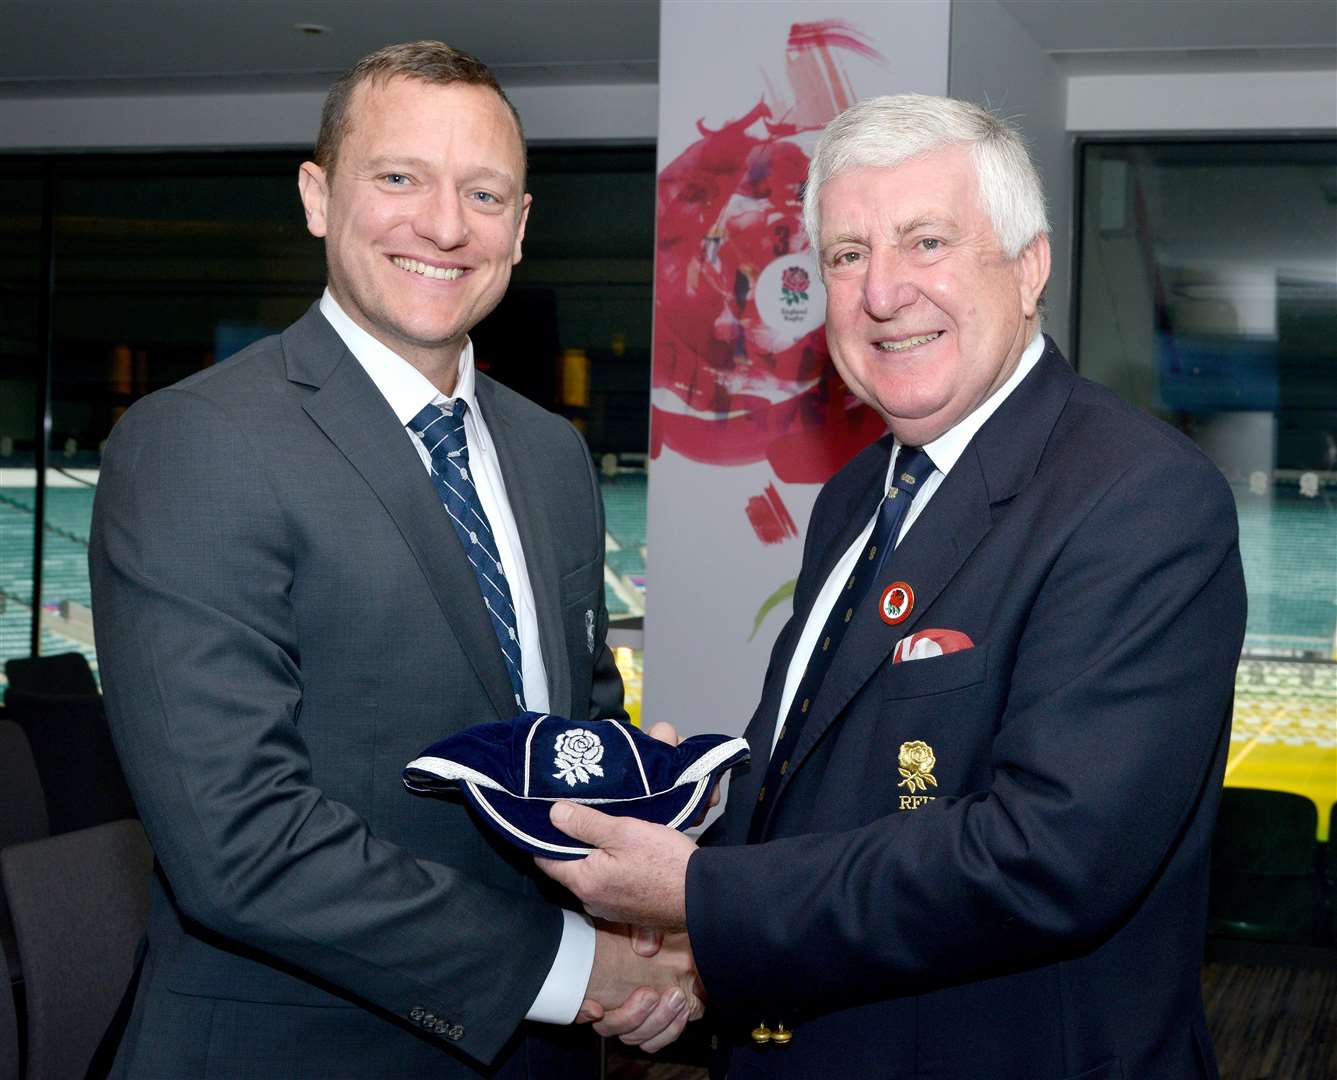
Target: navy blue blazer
1037	910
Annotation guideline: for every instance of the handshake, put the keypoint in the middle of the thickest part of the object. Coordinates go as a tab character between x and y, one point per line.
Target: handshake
644	987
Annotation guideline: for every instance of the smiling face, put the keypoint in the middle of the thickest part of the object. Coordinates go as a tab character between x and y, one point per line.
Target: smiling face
423	215
925	315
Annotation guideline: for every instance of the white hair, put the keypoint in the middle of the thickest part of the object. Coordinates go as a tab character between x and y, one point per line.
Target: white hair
886	131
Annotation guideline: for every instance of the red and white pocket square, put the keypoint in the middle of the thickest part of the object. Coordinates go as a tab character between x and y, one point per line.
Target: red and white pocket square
925	643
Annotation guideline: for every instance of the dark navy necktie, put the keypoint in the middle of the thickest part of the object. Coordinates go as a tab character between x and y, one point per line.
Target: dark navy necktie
913	467
441	429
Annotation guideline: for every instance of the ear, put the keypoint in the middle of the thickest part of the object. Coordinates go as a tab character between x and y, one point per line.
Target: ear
314	189
1033	273
520	229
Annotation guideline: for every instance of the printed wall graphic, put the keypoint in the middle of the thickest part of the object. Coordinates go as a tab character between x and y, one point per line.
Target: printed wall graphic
748	415
740	347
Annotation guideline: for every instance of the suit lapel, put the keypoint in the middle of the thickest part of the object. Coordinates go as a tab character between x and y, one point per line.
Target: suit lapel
521	468
355	417
997	463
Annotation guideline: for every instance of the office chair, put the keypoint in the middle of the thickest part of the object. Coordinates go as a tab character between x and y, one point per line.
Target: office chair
1264	881
71	744
9	1035
23	817
80	903
59	673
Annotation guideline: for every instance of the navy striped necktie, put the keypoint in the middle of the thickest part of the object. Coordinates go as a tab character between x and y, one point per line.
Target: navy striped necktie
441	429
913	467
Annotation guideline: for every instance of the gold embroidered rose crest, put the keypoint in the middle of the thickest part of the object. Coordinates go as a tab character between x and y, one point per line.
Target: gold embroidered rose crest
916	762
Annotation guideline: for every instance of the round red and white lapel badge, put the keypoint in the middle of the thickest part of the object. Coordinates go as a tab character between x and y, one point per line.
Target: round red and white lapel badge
898	600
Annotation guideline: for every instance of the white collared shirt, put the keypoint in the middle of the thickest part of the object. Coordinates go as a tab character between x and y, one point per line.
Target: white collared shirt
944	452
408	391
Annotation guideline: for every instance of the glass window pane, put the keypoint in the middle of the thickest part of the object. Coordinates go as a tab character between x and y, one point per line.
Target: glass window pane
573	332
1208	296
20	368
164	265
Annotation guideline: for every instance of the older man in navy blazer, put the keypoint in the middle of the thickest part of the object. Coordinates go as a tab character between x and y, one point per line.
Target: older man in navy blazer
979	848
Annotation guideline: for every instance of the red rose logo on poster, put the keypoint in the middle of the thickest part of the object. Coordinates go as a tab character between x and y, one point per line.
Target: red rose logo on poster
794	285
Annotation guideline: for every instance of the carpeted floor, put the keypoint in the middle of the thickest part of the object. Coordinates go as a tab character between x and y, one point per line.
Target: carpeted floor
620	1068
1268	1023
1272	1023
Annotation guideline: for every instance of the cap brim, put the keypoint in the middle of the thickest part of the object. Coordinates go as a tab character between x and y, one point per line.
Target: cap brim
525	822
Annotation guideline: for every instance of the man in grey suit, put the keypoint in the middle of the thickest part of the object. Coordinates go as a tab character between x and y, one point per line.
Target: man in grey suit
289	609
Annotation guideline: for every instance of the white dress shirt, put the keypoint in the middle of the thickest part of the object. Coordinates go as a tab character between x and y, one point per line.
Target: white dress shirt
944	452
408	391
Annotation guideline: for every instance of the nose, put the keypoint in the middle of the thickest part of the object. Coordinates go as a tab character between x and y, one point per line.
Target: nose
441	219
887	287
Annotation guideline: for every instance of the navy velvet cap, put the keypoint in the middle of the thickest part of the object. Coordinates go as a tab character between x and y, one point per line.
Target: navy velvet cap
513	771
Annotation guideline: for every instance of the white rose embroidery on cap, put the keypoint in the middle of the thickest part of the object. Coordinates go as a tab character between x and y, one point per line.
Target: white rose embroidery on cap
578	755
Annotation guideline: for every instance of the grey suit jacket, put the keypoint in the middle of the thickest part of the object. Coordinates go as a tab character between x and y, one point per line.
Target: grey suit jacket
285	617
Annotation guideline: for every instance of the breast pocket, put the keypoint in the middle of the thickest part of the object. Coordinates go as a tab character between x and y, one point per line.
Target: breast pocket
935	674
581	593
579	590
933	723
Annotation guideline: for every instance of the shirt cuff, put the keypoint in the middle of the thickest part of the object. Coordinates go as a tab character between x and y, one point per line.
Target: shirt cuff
562	992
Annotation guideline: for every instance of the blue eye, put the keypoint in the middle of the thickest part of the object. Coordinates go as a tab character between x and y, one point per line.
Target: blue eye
395	179
930	243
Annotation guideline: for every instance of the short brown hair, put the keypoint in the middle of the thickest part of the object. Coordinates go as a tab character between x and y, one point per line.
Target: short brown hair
431	61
